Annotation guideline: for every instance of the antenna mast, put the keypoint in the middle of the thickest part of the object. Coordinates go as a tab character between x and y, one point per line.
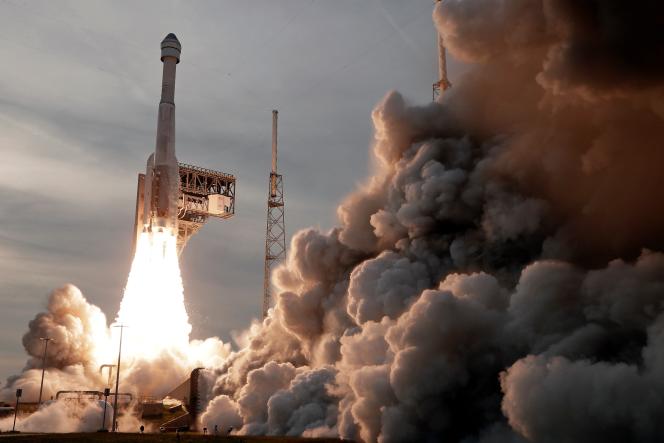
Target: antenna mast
275	235
443	83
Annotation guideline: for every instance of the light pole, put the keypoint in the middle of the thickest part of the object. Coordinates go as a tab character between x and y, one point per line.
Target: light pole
41	386
19	392
117	379
107	392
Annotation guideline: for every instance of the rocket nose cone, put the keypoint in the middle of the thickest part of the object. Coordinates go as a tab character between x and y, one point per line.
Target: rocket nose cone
171	36
171	47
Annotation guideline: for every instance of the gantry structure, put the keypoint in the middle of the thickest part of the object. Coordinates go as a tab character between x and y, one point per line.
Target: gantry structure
275	233
203	193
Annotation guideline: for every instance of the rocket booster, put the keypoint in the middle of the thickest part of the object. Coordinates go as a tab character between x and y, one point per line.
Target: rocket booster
162	177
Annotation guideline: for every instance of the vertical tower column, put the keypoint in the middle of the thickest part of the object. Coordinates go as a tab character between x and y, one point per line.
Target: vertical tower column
443	83
275	117
275	234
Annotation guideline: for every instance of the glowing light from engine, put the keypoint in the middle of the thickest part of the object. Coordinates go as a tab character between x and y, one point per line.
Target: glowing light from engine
153	303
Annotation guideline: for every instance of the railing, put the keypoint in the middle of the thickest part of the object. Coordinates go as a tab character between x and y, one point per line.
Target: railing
210	172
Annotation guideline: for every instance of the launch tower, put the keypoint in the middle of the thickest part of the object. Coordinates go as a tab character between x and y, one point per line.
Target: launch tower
275	235
443	83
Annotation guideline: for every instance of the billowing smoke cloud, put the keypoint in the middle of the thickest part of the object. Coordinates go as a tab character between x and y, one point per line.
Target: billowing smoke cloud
497	278
61	417
71	415
82	342
77	329
74	325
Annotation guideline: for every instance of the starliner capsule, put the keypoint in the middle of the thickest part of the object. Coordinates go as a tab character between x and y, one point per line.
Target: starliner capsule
162	179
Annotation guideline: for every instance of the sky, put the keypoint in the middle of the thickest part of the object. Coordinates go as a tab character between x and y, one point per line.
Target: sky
79	89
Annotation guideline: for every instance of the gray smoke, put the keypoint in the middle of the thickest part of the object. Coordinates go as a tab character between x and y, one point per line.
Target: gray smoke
496	279
72	323
75	327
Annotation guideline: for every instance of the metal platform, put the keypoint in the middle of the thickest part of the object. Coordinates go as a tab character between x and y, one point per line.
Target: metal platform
198	188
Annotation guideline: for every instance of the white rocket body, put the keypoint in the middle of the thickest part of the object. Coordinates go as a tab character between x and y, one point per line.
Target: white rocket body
162	176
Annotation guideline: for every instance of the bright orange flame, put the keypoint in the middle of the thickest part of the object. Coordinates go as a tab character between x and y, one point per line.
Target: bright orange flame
153	303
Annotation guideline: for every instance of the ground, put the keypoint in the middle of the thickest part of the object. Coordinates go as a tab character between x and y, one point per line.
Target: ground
155	438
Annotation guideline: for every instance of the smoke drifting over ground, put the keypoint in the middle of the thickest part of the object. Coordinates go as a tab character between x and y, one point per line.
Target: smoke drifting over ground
497	278
60	417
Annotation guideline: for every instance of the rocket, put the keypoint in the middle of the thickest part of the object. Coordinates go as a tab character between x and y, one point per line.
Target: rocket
158	190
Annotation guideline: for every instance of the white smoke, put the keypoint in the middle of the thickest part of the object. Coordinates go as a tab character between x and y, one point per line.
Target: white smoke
61	416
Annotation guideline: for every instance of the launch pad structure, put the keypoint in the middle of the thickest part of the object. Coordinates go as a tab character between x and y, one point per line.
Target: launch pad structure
203	193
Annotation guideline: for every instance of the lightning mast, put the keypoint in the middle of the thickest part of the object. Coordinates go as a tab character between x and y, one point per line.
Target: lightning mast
443	83
275	235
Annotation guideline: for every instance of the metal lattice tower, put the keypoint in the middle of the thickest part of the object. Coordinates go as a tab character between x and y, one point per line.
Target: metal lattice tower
203	193
443	83
275	234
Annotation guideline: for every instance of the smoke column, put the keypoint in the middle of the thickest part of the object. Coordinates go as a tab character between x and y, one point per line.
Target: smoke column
499	276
